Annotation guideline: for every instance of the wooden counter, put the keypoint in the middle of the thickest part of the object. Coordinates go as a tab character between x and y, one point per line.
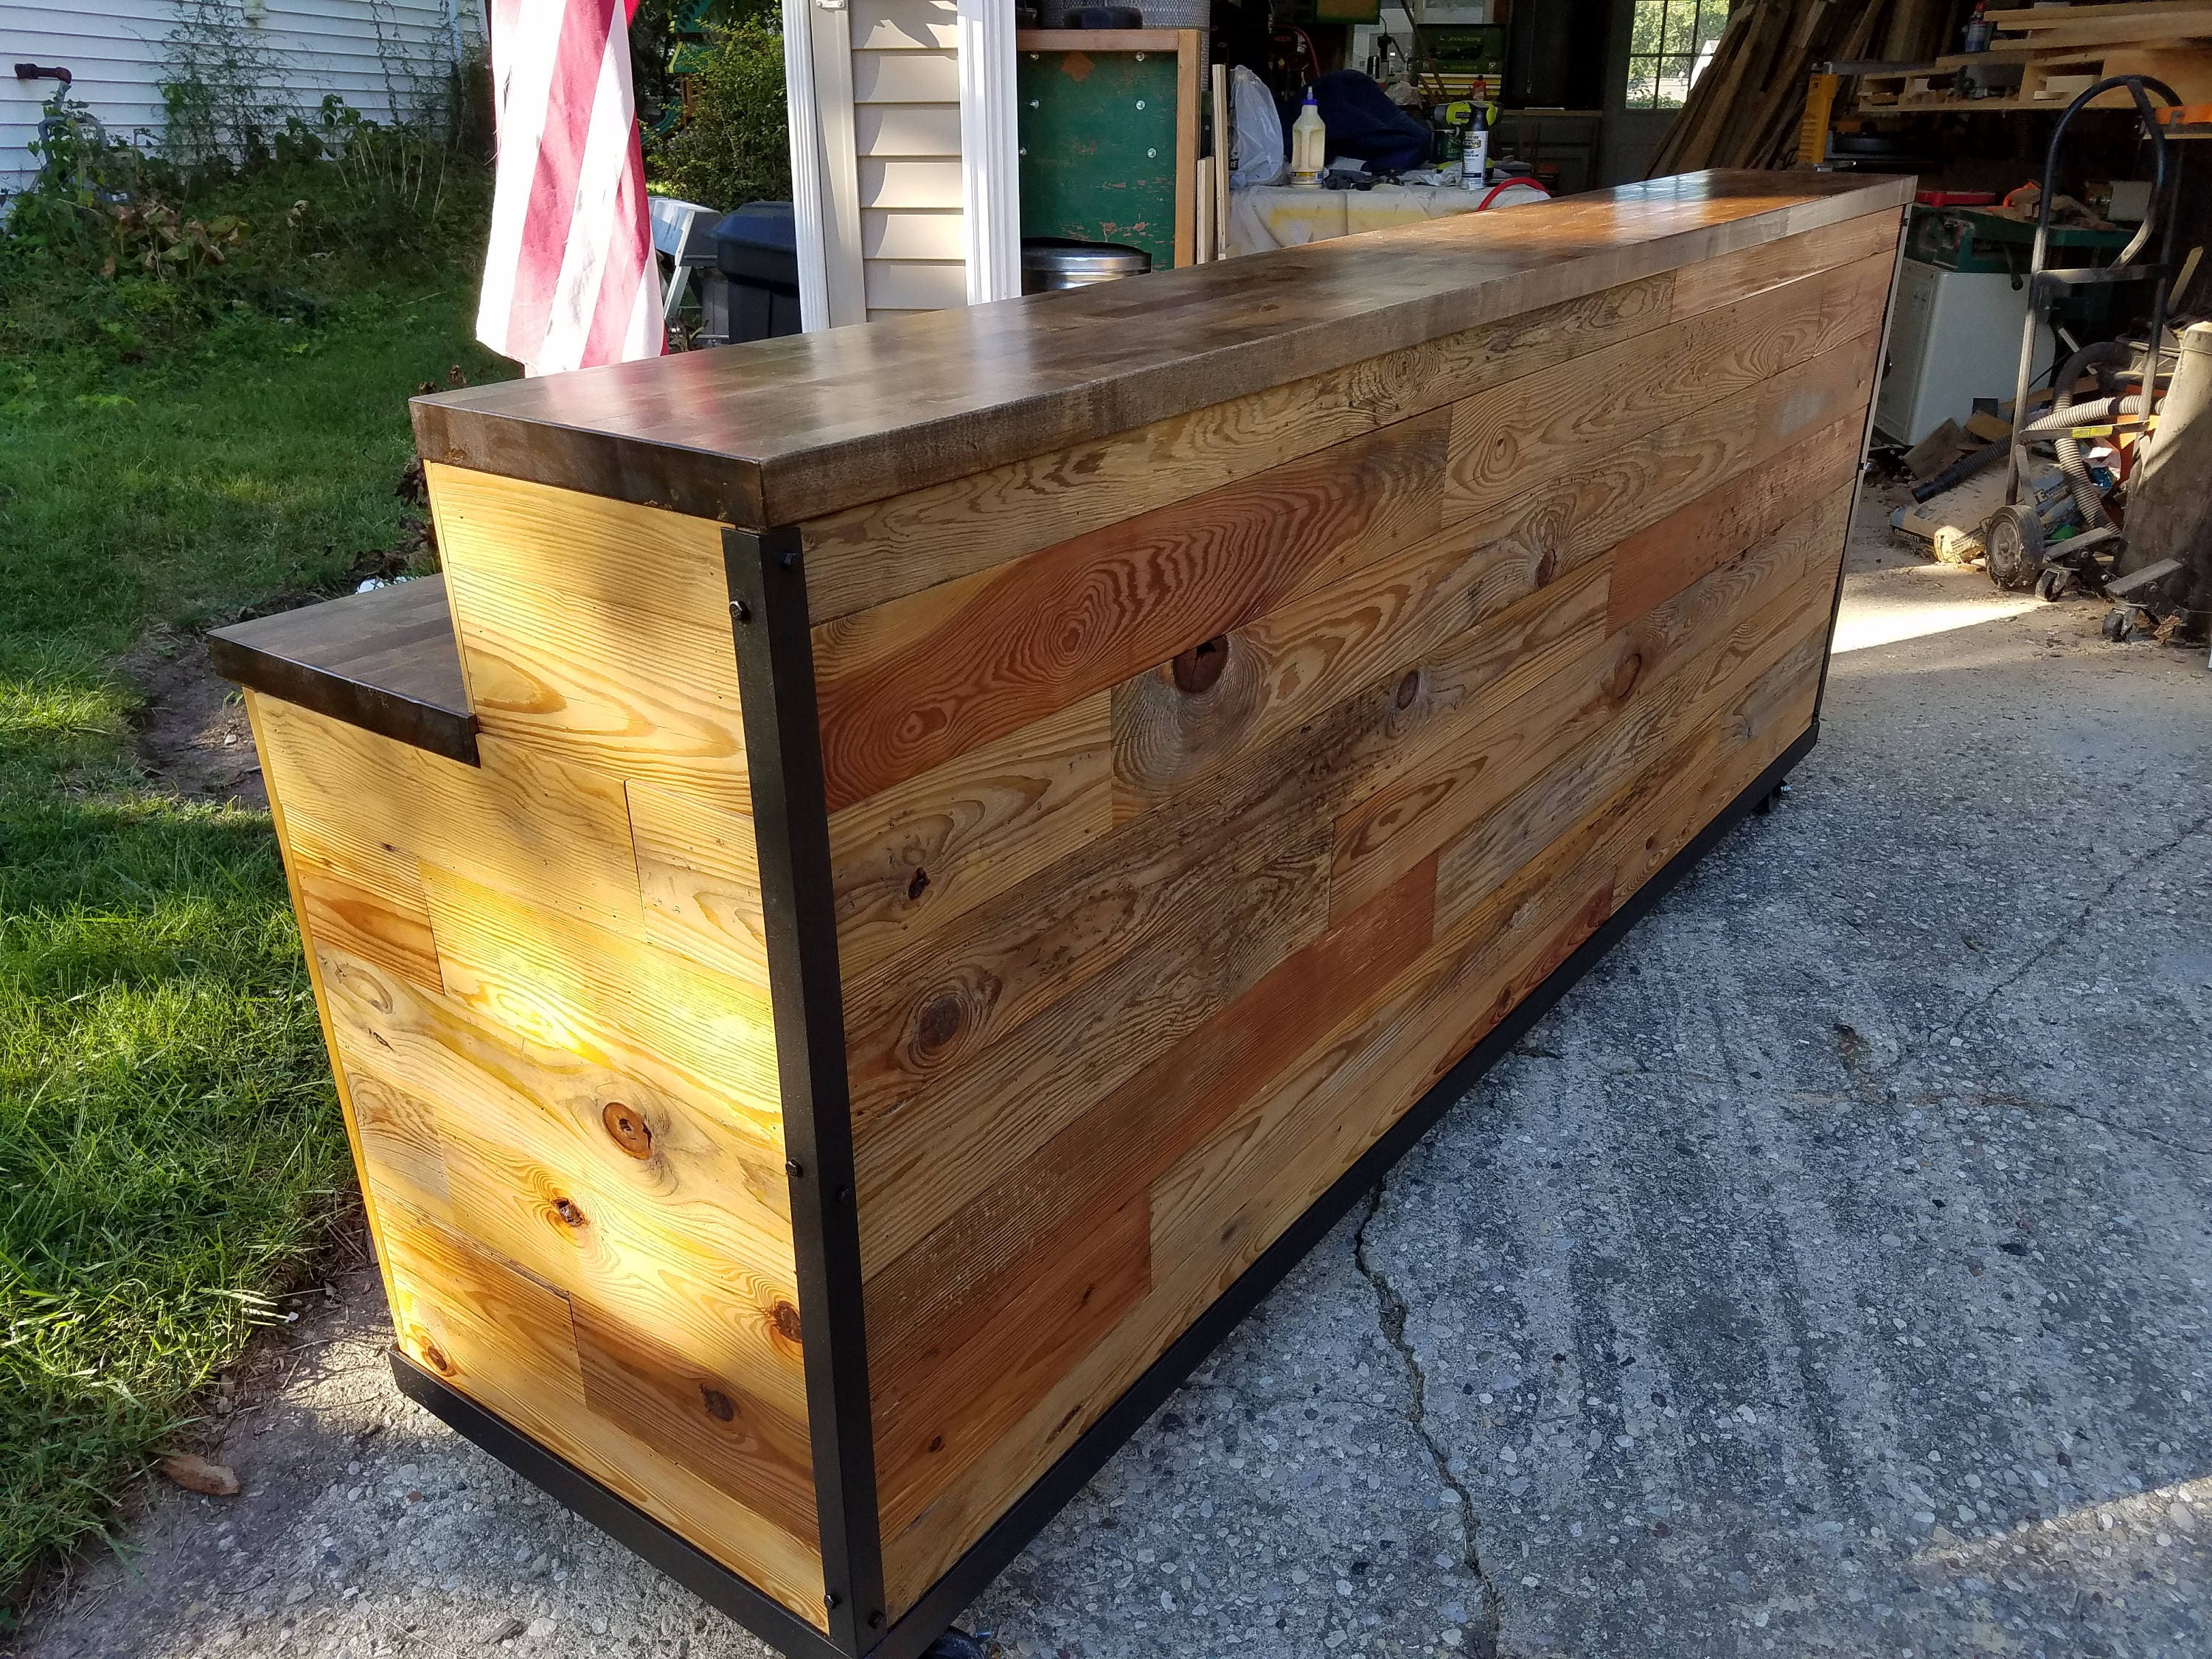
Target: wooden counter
933	860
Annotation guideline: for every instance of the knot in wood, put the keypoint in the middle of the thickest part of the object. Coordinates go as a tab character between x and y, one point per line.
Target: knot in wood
570	1213
939	1022
628	1128
917	885
720	1406
1197	669
785	1317
1547	568
1409	688
1619	683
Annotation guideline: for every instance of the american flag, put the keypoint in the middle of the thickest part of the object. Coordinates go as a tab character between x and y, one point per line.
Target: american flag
569	280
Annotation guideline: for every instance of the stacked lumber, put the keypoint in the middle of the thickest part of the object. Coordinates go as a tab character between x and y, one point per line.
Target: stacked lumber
2060	51
1745	109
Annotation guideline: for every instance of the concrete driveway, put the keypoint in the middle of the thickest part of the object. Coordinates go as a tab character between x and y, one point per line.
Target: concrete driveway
1829	1273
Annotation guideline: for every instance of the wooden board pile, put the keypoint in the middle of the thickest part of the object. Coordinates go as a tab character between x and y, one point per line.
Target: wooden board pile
2058	52
1745	109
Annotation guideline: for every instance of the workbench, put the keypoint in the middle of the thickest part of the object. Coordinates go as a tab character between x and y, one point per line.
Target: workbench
901	877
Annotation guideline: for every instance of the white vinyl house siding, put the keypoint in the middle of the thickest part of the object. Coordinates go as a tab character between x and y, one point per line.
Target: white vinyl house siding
906	134
369	53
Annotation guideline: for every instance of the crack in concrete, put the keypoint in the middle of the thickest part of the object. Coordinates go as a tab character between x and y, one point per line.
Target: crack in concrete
2035	957
1390	1317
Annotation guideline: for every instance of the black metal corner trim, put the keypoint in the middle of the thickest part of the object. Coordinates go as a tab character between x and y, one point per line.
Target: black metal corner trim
791	823
944	1600
616	1516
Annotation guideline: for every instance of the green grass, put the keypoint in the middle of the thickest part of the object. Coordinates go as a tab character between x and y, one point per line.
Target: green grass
170	1151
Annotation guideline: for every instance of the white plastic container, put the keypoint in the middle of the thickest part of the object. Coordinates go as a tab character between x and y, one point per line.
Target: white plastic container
1309	147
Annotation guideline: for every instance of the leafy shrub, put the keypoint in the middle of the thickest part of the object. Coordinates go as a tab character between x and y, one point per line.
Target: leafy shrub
126	252
732	146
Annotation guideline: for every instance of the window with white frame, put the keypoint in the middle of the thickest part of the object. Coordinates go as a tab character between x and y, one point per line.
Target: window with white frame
1669	44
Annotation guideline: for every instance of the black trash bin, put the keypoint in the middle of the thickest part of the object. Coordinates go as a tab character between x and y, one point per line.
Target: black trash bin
752	293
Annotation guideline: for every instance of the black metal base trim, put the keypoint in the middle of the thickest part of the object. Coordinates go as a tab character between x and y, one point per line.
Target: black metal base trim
944	1601
614	1515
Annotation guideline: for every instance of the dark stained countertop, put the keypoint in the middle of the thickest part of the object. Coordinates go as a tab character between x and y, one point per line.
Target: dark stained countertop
780	430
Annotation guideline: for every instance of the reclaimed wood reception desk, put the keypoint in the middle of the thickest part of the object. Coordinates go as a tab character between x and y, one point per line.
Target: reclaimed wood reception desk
901	876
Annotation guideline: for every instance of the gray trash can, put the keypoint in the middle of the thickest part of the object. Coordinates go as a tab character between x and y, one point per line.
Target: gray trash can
1049	262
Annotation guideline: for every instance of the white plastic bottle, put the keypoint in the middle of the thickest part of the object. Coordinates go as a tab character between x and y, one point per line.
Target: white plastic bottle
1309	147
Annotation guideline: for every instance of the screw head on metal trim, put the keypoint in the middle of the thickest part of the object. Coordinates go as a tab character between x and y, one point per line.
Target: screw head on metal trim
741	610
791	1168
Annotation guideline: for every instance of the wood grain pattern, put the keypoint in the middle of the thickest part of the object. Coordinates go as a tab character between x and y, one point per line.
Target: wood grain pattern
1793	573
1238	691
258	710
1660	560
400	1152
705	1421
970	1382
1475	770
1562	419
922	854
1461	623
526	825
394	932
1109	1154
595	631
698	873
1711	283
972	523
489	1330
911	684
934	1149
698	1228
779	431
585	990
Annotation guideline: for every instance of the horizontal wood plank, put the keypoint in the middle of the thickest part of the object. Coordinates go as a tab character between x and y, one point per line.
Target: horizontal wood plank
595	631
698	874
931	1152
385	660
916	856
948	1403
1563	419
392	929
1711	283
561	981
1460	624
708	1422
974	523
912	684
1658	562
487	1330
521	821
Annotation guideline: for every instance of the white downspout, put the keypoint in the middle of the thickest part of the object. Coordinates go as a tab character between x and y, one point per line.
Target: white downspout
990	151
806	167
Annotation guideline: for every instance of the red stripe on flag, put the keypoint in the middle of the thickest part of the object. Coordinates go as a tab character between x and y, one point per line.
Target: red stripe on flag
585	27
625	269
